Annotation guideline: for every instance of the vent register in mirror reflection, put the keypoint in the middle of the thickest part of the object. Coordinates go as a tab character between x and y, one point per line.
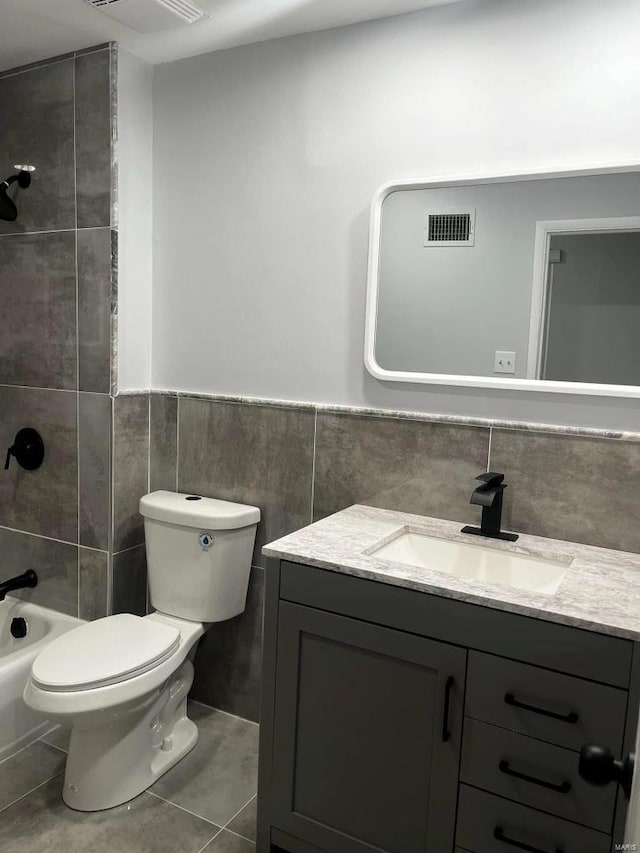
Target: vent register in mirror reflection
543	268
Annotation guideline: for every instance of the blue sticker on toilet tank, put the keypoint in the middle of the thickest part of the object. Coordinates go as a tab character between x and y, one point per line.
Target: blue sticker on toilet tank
206	540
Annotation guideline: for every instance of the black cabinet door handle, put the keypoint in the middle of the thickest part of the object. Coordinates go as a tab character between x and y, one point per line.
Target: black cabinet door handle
571	717
561	788
448	687
498	834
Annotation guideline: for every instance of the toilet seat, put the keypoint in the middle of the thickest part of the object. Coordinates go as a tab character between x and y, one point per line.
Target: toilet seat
105	652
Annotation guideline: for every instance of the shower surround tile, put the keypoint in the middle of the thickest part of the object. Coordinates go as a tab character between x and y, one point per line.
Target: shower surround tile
580	489
58	275
94	309
40	132
410	466
93	138
44	501
38	318
56	564
258	455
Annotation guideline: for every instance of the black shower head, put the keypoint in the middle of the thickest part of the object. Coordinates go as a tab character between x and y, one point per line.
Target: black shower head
8	209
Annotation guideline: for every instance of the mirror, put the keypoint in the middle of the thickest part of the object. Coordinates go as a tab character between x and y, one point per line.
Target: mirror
530	282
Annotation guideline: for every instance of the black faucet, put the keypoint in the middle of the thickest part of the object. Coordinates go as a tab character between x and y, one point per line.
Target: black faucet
28	579
489	497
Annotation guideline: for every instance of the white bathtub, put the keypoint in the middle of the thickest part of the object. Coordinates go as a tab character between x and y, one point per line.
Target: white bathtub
19	725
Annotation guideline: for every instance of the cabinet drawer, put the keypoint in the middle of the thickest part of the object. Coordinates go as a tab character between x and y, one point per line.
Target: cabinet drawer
553	785
547	705
490	824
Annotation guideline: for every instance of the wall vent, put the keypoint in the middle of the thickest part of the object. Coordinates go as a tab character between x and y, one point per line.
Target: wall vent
454	228
150	16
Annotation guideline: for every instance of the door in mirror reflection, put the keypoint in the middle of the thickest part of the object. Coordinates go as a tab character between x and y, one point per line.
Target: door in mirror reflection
592	322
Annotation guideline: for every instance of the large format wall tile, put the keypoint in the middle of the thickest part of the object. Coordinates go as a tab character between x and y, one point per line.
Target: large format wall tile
394	463
94	309
44	501
129	581
38	317
56	564
566	487
93	138
258	455
130	468
37	128
229	660
163	453
94	459
93	580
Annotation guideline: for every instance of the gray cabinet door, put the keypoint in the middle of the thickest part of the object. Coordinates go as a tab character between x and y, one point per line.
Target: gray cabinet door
367	735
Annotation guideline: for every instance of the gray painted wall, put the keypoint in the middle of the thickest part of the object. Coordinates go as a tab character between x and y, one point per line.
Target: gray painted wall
448	309
261	246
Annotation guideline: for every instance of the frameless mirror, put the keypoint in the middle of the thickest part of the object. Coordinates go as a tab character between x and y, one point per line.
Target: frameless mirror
530	282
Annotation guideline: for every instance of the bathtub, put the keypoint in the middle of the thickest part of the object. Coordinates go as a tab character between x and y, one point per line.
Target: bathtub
19	725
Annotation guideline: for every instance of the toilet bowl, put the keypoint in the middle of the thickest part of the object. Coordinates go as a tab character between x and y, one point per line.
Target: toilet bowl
121	683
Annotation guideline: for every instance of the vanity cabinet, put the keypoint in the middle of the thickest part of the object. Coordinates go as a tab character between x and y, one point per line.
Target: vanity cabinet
367	734
395	720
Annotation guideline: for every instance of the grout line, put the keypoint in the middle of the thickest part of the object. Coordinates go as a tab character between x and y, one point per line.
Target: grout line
226	713
313	463
130	548
51	539
32	233
233	817
237	834
188	811
17	799
40	388
209	841
53	745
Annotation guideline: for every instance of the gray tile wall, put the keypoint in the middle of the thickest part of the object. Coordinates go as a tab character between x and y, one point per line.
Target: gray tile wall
57	276
298	464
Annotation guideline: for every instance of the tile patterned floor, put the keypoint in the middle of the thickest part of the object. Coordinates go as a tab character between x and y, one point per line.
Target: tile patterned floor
205	804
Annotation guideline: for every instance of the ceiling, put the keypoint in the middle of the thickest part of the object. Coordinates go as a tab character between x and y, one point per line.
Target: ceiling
31	30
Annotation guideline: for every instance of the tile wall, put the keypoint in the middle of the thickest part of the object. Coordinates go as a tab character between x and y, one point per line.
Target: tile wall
300	464
69	520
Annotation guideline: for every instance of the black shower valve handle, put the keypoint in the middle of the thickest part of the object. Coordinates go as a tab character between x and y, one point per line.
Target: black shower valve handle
10	452
27	448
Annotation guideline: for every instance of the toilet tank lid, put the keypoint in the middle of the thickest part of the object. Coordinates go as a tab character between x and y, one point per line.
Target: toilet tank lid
197	511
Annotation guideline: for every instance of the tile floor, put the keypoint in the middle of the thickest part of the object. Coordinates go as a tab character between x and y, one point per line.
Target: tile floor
205	804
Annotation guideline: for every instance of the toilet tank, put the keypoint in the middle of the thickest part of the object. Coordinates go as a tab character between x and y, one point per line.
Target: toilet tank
198	554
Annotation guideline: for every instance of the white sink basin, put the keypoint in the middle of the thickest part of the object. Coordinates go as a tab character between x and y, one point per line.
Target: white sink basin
475	561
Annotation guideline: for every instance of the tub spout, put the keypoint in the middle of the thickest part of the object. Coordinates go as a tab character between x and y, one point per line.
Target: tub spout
28	579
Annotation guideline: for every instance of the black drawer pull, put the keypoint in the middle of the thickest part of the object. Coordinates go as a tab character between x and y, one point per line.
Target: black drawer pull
571	717
562	788
448	687
498	834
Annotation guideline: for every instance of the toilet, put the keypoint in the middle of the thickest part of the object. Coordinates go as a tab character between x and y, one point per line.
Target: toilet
121	683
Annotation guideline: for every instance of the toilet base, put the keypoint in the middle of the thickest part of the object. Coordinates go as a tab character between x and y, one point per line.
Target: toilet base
115	755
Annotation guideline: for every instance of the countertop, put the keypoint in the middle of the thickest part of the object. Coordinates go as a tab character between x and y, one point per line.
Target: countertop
599	592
